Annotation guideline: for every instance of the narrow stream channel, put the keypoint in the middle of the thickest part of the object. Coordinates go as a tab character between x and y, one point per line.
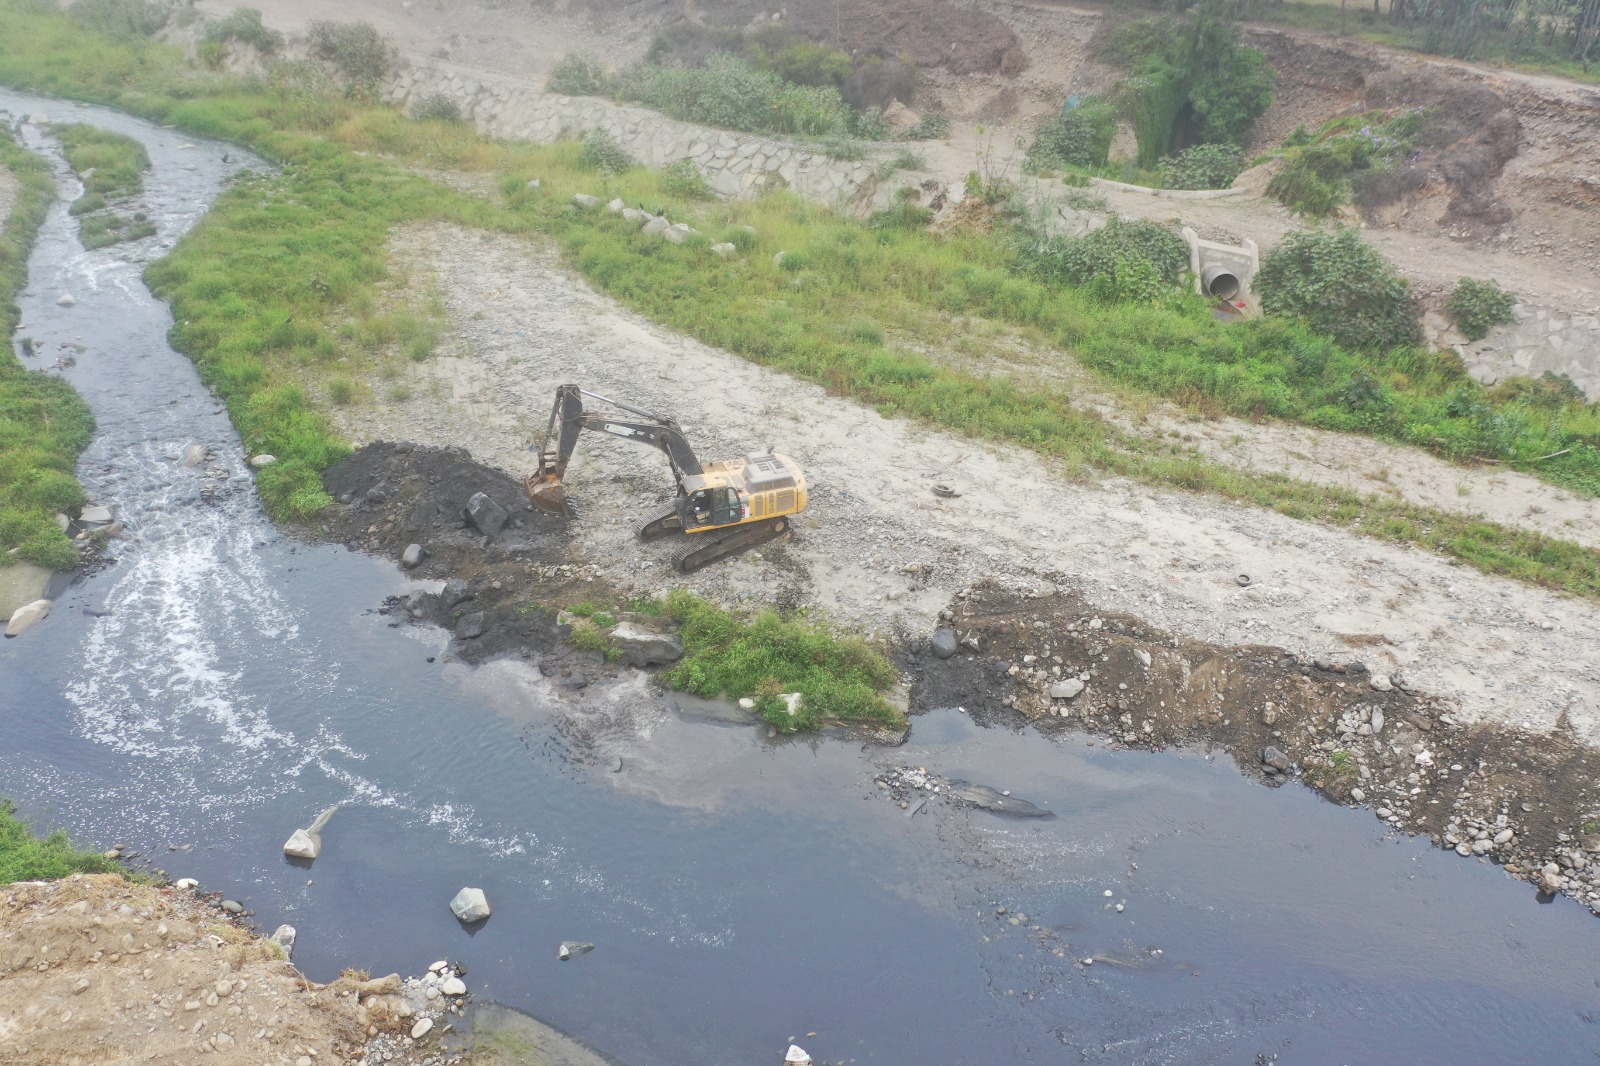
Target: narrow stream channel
221	683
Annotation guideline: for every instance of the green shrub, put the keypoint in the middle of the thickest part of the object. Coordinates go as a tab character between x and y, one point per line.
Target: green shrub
729	92
601	152
1191	81
355	49
869	125
341	391
931	126
123	19
436	107
684	180
1205	166
1479	306
1341	286
576	74
1321	170
1079	136
244	26
1123	260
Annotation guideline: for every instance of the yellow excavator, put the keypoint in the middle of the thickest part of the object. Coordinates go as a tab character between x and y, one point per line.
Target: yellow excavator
724	507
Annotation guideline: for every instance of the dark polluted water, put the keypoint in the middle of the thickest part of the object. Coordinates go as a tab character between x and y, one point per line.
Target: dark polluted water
222	683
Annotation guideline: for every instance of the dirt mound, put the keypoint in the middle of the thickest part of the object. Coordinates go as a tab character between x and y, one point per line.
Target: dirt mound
97	969
391	495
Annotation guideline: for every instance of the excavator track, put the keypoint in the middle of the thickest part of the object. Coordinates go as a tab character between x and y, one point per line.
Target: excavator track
704	549
658	523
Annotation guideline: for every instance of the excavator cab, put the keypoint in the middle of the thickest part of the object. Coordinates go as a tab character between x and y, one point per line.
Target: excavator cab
748	499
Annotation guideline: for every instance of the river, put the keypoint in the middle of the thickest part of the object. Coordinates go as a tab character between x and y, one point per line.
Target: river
222	682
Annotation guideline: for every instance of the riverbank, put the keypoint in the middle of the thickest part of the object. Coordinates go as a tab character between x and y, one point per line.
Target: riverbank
1296	654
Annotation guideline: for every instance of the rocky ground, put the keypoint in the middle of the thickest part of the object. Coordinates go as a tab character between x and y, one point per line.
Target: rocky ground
1453	704
96	969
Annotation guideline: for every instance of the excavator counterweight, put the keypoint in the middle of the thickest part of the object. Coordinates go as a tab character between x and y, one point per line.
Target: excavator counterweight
741	502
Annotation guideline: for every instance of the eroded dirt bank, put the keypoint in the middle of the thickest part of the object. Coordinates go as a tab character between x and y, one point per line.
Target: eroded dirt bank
95	969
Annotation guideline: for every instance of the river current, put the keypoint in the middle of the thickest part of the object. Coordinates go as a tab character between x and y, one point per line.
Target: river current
221	683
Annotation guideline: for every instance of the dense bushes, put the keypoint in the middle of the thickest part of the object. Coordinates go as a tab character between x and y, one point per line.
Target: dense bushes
1205	166
123	19
1344	158
1341	286
602	152
1191	82
1124	260
355	49
1479	306
577	74
1080	136
729	92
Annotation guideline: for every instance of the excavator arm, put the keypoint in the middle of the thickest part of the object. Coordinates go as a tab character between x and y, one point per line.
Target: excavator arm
568	418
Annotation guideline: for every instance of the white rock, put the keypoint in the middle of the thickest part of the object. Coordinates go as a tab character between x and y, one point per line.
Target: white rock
439	967
724	249
453	986
66	299
796	1056
259	461
1065	690
746	703
1424	758
615	205
657	224
185	883
470	905
1143	656
1381	683
585	200
422	1028
195	454
303	845
283	936
95	515
28	615
412	556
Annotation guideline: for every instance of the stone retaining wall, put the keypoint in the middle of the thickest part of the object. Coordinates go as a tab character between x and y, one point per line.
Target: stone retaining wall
735	164
1540	340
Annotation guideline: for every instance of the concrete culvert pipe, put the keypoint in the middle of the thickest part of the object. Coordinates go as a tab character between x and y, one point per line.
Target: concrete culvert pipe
1219	282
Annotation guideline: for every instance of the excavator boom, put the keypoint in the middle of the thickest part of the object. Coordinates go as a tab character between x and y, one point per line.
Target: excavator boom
568	418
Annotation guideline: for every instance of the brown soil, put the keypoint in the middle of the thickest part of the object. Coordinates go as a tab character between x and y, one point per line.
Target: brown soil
95	969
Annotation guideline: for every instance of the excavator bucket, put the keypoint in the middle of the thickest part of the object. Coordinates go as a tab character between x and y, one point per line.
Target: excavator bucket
546	492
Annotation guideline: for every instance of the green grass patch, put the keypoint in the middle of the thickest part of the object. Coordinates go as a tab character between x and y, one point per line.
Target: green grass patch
25	857
840	678
44	424
118	162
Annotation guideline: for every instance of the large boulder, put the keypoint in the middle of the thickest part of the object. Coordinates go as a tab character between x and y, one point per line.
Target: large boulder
944	642
487	516
29	615
646	647
470	905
